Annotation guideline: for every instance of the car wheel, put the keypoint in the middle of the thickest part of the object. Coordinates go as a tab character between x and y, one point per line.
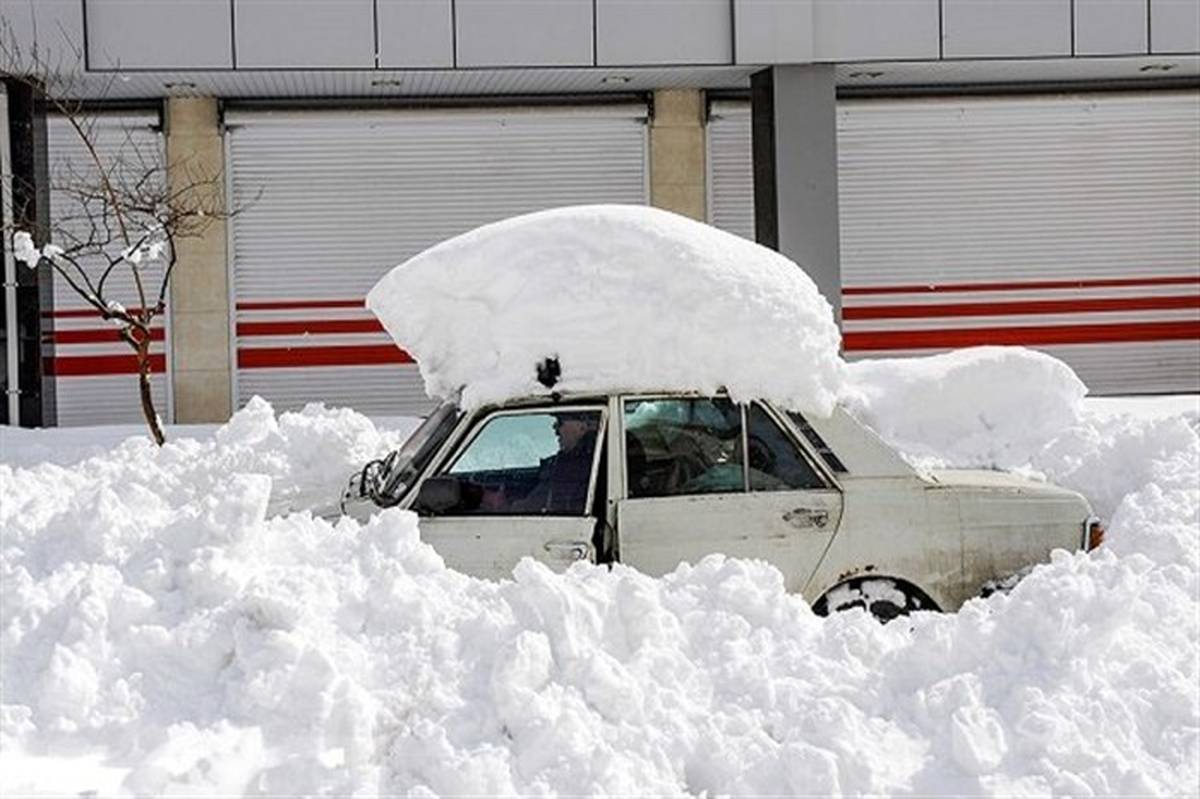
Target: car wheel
882	597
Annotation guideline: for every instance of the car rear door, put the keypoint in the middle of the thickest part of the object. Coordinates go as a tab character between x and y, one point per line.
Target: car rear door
688	492
501	519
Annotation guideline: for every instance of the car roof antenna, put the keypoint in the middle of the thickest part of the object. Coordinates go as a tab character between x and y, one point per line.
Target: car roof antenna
548	372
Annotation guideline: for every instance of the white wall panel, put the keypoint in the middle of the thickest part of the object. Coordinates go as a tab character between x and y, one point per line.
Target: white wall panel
97	382
314	33
770	32
847	30
345	196
637	32
1031	219
1174	26
1006	28
415	33
534	33
56	26
139	34
1107	27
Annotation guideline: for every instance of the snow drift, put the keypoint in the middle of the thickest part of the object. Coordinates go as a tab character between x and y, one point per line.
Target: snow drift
604	290
982	406
165	631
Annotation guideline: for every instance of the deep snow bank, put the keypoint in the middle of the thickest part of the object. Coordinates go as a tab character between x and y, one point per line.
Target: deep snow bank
981	406
162	627
602	289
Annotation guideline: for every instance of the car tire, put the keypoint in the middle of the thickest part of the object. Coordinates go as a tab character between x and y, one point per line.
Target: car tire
883	597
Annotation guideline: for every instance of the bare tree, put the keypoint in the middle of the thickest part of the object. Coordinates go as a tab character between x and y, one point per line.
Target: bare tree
123	215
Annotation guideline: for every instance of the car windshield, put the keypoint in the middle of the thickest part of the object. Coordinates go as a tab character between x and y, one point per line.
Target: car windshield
416	452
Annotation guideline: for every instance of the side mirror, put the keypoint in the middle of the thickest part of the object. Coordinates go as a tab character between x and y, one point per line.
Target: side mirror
368	478
438	495
373	475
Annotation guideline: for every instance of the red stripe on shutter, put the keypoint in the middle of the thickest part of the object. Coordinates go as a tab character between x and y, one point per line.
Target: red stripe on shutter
1174	280
280	357
95	365
1027	336
285	305
97	335
1021	307
314	326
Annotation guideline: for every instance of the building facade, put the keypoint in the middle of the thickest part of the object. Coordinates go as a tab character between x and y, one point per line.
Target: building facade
951	172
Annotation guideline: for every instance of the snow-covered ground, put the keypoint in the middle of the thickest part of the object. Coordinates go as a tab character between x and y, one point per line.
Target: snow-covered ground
175	622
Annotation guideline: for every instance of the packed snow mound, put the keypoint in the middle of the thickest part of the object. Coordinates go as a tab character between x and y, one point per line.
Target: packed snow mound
164	631
625	297
976	407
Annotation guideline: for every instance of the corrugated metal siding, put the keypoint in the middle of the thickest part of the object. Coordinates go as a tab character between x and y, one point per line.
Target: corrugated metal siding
939	198
103	386
1088	186
335	199
730	169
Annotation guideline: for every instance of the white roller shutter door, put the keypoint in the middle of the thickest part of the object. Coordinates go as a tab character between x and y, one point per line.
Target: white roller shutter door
94	372
730	168
334	199
1065	222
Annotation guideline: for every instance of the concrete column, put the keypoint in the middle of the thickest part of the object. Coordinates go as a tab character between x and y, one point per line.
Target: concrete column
201	366
677	181
794	120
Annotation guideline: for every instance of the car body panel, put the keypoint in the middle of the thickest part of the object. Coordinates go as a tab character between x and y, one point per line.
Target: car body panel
491	546
789	529
890	529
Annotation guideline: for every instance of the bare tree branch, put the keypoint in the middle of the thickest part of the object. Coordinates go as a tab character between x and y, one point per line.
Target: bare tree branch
118	220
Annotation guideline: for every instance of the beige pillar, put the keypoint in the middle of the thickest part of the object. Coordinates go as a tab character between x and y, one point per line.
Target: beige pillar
201	367
677	179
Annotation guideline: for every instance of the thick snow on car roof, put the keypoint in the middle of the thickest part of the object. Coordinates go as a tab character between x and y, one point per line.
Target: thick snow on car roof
625	297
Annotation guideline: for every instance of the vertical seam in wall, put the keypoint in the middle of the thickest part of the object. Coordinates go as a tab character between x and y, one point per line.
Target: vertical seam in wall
84	17
232	36
732	32
595	35
375	25
1149	37
453	34
1073	20
941	30
1072	28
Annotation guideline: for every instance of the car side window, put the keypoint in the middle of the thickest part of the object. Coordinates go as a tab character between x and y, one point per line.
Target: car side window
683	446
537	463
776	462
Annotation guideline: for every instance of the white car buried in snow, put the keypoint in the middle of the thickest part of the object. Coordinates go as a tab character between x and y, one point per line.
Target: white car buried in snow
632	385
654	479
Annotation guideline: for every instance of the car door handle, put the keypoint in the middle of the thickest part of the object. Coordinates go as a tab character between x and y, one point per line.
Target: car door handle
568	550
807	517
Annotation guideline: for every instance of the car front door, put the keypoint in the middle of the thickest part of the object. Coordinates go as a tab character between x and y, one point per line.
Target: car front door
526	479
704	475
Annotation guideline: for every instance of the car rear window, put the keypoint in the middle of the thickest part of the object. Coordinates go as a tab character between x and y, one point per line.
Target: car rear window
776	461
818	443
